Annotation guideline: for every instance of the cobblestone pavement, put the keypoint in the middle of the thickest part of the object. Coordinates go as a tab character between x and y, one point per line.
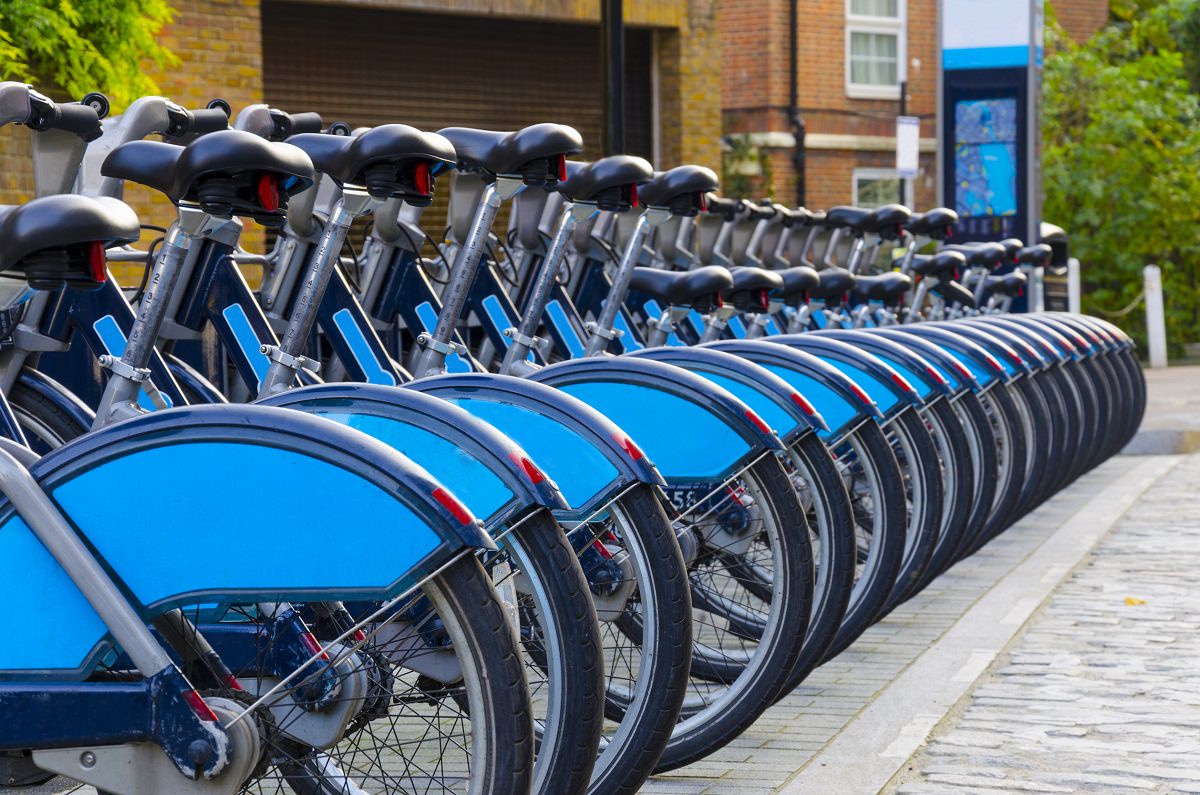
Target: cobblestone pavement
1102	691
764	758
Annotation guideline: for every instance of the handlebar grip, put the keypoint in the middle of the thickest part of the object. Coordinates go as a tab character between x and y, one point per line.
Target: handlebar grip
208	120
306	122
74	118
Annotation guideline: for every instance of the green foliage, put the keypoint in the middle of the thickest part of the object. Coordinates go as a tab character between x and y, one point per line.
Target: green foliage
77	46
747	169
1121	158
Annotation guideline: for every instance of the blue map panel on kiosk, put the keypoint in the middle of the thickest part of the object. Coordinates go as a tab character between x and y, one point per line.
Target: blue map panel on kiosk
985	157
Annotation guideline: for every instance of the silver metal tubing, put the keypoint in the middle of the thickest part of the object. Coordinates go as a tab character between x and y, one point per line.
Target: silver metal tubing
571	215
454	296
60	540
602	329
288	358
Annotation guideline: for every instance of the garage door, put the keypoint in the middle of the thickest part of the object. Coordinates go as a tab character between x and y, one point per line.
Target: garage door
368	66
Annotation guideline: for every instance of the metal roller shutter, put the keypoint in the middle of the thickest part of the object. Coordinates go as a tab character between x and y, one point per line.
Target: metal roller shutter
368	66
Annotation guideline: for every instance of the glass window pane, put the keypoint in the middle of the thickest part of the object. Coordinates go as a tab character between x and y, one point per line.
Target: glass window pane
877	191
875	8
873	59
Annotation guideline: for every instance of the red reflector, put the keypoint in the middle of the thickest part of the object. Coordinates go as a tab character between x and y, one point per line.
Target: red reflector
633	196
452	505
603	550
561	167
626	444
936	376
962	369
97	267
422	180
861	395
703	203
313	645
530	469
268	192
196	702
766	301
232	683
994	363
902	382
804	405
359	636
758	423
719	301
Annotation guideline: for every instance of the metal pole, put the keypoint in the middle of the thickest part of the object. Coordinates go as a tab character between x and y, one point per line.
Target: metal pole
903	112
612	54
795	118
1156	327
1074	286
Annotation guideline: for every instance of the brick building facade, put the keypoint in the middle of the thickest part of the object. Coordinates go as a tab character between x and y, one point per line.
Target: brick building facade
851	56
699	68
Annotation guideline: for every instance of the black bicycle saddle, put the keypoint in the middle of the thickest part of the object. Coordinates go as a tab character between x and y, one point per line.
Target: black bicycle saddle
954	293
937	223
681	189
944	264
886	221
1038	254
886	287
611	183
797	281
229	172
985	255
1007	284
57	240
752	287
832	283
683	288
390	161
537	154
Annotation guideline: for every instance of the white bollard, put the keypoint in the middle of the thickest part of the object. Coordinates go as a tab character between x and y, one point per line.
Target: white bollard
1074	290
1156	326
1037	290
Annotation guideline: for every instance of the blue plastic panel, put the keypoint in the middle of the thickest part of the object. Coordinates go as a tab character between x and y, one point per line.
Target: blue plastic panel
837	411
230	518
580	470
766	408
46	621
682	438
477	486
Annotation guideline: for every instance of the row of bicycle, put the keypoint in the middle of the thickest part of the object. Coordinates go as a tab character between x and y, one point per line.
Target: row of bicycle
611	507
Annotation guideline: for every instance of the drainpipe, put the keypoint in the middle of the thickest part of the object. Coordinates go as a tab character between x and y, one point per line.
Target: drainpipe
795	118
612	53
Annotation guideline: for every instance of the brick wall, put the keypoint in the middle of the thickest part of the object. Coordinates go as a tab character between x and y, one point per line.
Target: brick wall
754	36
1081	18
218	43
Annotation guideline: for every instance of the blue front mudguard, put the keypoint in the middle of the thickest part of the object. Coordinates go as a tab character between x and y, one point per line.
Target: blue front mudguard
983	365
498	481
591	458
774	400
246	504
693	430
842	402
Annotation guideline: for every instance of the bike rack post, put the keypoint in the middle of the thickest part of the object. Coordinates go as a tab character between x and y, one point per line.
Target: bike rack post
1074	290
1156	329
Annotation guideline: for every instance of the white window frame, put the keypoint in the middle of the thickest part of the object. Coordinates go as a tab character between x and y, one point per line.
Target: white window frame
898	26
880	173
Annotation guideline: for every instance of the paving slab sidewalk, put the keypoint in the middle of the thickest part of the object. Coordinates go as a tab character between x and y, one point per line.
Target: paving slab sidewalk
1101	692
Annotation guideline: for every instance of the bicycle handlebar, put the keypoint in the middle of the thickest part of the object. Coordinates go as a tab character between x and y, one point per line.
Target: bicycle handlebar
69	117
183	122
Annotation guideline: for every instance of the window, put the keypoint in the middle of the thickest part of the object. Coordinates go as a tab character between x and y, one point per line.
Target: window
874	187
875	48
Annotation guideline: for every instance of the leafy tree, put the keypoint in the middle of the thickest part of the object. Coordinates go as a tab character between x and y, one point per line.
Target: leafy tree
77	46
1121	159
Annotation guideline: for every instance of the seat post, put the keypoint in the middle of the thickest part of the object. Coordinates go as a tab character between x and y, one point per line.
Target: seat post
287	358
129	374
439	345
523	338
602	330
